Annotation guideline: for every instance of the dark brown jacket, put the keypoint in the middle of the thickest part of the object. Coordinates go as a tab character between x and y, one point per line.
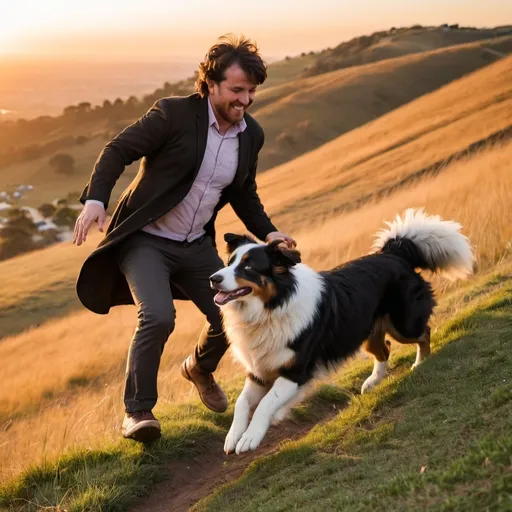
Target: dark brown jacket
171	140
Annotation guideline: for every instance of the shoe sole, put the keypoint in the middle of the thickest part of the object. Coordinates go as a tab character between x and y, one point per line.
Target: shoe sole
144	434
185	374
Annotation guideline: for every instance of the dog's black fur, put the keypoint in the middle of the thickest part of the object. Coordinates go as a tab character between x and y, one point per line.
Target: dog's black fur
355	296
287	323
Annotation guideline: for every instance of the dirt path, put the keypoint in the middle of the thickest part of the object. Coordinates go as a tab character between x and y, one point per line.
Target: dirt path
192	479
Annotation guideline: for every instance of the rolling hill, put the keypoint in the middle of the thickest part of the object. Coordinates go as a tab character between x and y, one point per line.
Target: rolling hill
397	42
302	115
298	114
448	150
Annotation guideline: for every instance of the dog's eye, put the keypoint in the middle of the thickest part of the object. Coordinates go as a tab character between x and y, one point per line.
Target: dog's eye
248	267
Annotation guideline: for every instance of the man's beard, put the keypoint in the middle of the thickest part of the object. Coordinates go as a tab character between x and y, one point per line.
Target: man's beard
230	115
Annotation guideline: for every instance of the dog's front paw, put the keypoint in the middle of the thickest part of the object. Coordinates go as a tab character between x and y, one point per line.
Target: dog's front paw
250	440
234	435
370	383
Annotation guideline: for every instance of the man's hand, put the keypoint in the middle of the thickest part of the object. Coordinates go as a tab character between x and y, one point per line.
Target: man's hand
277	235
92	212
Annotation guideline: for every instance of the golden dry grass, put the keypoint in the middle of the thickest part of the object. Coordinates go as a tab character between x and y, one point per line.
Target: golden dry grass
49	185
322	107
80	359
316	109
64	378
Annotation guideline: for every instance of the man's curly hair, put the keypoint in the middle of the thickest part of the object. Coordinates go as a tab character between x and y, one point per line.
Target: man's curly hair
228	50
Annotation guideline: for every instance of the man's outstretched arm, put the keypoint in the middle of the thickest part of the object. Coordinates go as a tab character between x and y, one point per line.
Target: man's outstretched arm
141	138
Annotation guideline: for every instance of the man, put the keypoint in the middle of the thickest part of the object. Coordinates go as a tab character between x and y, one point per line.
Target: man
198	153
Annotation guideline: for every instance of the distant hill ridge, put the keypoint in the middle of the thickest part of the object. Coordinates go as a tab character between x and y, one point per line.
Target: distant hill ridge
358	50
298	113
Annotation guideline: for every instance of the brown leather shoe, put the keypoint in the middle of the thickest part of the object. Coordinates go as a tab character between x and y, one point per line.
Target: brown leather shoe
209	391
141	426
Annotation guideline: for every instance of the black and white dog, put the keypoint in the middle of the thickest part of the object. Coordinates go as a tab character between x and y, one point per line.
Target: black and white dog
287	323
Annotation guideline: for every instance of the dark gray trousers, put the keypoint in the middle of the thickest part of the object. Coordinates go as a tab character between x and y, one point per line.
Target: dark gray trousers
149	262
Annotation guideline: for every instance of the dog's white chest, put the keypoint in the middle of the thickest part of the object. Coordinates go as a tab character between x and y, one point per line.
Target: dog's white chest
261	338
261	350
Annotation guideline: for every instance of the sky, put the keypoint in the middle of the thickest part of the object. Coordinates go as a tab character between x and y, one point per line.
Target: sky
184	29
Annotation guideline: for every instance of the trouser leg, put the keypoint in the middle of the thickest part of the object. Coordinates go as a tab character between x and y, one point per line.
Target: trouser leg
212	343
147	272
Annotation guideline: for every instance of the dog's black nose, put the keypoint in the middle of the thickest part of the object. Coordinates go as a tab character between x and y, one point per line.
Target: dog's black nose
216	279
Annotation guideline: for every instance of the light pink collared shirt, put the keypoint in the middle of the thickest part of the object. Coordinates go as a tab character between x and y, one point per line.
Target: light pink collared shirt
186	221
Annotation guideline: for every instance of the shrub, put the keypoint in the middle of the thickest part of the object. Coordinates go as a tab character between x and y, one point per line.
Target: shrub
47	210
65	217
63	163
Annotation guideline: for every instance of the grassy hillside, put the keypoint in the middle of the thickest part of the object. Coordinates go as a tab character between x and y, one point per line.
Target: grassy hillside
298	115
396	43
45	412
355	170
418	141
301	115
440	435
439	439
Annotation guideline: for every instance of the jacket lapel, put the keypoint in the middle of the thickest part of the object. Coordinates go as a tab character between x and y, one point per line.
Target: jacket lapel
202	132
243	158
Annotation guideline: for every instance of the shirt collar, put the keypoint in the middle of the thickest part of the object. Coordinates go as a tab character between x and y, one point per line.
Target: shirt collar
212	120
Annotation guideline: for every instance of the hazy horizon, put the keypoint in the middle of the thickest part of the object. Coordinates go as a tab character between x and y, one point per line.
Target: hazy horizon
70	82
55	54
184	30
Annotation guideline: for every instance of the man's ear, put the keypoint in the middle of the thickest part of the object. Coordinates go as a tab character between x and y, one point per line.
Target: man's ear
234	241
281	256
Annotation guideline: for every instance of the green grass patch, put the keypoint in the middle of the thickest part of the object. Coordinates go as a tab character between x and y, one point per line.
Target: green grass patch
112	478
438	438
116	476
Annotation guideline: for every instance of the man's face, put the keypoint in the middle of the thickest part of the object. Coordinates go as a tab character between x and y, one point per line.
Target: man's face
233	96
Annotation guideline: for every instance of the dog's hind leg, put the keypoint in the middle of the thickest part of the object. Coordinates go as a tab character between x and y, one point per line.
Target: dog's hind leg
379	348
422	347
422	342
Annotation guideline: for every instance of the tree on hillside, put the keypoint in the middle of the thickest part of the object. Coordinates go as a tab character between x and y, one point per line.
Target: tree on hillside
70	111
132	103
84	107
116	112
17	234
81	140
47	210
62	163
65	217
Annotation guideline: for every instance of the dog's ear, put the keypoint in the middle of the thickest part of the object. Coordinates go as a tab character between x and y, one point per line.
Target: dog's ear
281	257
234	241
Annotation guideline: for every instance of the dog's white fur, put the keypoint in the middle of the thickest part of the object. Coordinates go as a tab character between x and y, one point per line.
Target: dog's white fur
380	370
441	242
241	437
259	339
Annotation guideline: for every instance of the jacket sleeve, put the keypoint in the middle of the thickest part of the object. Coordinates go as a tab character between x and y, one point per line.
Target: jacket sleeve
140	139
247	205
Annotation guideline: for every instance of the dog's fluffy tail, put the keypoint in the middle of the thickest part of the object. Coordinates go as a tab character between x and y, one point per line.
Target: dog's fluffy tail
427	242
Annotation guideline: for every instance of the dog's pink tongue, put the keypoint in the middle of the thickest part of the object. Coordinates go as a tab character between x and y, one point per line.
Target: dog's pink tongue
222	297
